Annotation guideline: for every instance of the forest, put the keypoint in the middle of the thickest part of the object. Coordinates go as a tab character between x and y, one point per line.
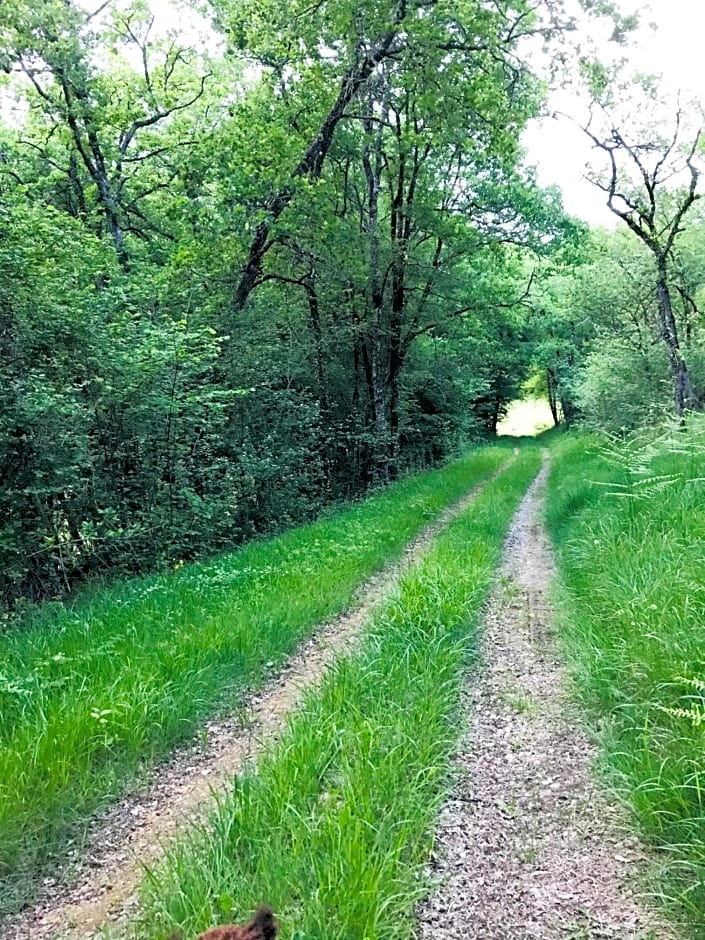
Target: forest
247	277
272	275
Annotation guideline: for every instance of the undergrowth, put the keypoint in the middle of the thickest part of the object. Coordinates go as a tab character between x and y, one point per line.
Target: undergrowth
628	519
333	828
91	694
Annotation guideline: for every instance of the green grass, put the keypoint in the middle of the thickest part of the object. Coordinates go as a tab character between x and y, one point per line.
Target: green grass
92	693
629	523
334	826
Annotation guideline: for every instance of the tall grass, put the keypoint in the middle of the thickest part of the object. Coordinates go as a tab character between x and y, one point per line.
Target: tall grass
335	825
91	693
629	522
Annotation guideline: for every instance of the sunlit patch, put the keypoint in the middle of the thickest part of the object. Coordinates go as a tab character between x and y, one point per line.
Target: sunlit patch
526	418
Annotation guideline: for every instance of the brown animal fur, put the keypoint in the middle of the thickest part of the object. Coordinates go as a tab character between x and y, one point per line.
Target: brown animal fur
263	926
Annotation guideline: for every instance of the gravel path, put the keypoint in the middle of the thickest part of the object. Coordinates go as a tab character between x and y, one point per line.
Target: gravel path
527	846
97	884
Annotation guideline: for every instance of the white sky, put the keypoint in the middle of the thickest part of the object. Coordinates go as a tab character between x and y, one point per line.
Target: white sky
674	50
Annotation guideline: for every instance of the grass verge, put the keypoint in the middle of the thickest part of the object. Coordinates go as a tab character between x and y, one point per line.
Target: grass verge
334	827
91	693
628	521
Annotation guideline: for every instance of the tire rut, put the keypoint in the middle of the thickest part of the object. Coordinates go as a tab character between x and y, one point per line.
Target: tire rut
527	847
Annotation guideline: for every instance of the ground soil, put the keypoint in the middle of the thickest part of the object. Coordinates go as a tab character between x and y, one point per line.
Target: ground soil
97	884
528	847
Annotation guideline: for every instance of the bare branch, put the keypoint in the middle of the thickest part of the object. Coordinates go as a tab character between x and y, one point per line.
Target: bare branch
127	136
103	6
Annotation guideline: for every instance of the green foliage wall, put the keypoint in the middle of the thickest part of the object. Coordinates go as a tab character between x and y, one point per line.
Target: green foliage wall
242	278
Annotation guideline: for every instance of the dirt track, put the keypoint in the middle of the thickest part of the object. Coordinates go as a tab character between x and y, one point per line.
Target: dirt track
527	848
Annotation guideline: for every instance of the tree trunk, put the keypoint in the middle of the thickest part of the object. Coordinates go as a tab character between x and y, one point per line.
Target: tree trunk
315	318
402	201
89	149
685	398
569	411
380	414
372	162
495	414
396	360
552	396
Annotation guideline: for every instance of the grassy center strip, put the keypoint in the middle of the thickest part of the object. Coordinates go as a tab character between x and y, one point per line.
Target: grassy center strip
335	825
628	521
91	693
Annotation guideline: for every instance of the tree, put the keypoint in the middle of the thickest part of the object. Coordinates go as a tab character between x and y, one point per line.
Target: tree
106	119
434	41
418	169
651	183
